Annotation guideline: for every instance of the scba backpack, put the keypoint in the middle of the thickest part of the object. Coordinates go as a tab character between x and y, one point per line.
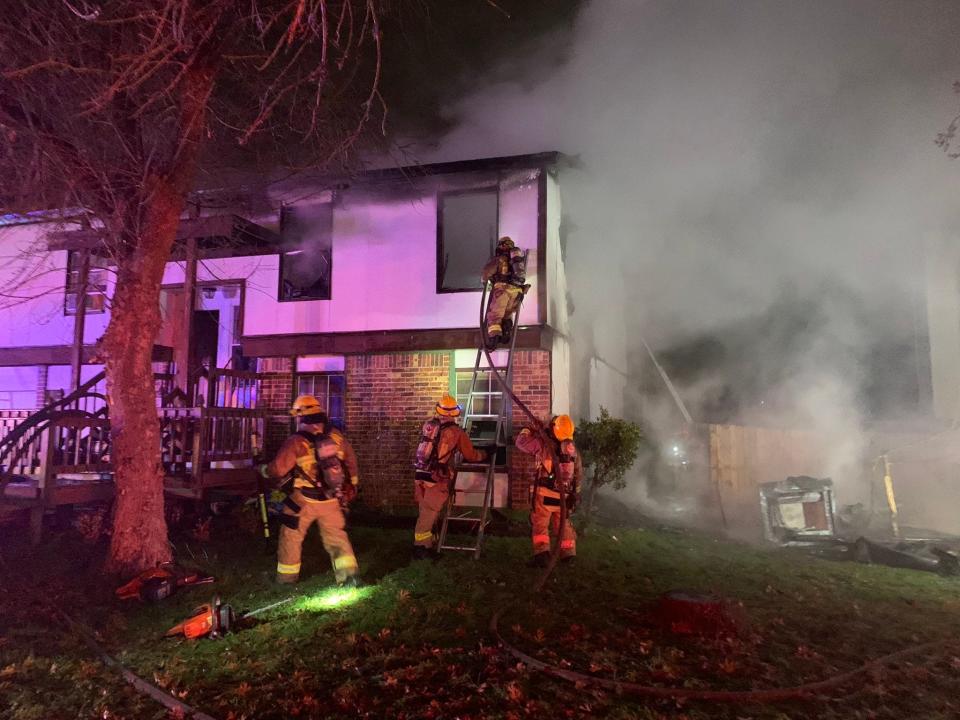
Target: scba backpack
567	464
329	468
428	462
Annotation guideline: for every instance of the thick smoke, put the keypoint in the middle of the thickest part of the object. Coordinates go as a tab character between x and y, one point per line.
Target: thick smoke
737	159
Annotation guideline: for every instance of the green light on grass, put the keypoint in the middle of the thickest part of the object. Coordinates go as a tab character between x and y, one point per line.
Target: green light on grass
334	598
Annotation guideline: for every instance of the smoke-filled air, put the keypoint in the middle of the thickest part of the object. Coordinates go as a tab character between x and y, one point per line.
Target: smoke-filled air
755	184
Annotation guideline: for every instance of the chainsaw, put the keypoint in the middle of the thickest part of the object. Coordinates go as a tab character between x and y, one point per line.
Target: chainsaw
211	619
215	619
157	583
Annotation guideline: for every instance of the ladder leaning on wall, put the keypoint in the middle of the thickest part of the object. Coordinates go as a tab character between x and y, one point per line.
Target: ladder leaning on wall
487	431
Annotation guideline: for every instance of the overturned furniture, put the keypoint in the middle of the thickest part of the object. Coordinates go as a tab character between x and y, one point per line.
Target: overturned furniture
798	511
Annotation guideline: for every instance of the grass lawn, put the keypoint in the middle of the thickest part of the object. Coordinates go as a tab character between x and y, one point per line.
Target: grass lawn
414	643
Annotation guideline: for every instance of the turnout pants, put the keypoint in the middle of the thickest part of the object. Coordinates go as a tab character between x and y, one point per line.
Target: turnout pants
504	299
329	517
430	498
545	518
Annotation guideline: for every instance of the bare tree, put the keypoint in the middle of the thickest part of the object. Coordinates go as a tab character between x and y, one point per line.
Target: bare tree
120	108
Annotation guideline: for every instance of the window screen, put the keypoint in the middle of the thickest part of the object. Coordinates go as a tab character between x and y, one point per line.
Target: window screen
467	237
306	255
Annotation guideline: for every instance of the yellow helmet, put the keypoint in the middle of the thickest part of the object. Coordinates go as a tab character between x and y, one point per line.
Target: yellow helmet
306	405
505	243
448	407
562	427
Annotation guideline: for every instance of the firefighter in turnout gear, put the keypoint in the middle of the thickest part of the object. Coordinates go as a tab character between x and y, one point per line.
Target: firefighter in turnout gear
322	468
507	272
558	465
441	438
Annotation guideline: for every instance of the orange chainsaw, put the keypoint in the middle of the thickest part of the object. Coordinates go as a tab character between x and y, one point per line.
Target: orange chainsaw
157	583
212	619
215	619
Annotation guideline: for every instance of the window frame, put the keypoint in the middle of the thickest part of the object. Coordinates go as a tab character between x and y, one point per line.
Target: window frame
325	400
441	197
489	394
93	289
284	211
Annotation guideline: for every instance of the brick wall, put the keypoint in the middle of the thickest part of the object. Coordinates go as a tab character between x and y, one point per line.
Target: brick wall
531	383
276	395
389	396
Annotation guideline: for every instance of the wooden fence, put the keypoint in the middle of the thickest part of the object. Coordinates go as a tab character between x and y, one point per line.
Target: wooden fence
734	460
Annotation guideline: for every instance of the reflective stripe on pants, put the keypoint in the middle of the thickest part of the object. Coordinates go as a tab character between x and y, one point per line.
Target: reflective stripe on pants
546	519
329	517
430	498
504	299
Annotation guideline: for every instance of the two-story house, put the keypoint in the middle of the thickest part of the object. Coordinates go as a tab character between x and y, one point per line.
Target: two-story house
363	291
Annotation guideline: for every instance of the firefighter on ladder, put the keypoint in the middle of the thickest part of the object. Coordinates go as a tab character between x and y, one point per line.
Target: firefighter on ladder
440	439
324	480
553	446
507	272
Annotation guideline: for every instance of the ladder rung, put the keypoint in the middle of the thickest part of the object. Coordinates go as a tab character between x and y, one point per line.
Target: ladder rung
472	548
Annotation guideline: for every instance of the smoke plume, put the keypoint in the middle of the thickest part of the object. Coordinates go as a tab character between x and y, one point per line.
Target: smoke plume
760	177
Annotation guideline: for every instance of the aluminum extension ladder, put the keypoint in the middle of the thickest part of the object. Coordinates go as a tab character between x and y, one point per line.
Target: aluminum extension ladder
472	520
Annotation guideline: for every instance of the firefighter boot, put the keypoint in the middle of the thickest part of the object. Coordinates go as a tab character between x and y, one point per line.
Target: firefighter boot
539	560
507	331
421	553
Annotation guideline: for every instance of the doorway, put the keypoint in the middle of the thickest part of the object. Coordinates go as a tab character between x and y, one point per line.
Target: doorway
204	340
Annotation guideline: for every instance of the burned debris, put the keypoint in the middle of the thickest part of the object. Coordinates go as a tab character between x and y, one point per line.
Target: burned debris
801	511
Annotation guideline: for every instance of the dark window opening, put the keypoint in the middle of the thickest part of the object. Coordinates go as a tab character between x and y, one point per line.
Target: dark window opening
96	295
328	388
466	238
306	254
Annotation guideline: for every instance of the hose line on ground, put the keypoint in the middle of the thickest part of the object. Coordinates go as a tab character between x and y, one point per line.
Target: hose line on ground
180	708
805	691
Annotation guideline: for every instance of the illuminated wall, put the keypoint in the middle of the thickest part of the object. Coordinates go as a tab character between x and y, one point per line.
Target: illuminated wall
33	282
384	266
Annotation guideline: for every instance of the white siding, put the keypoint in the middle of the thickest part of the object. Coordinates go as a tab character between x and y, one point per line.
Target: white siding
33	284
943	313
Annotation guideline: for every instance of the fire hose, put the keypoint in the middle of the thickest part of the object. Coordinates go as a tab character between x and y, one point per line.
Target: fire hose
805	691
175	705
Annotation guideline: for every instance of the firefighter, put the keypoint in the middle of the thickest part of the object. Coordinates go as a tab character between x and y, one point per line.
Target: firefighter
324	479
558	464
440	439
507	272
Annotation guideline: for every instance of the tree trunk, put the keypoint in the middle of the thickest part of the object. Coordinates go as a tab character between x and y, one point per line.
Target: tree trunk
139	538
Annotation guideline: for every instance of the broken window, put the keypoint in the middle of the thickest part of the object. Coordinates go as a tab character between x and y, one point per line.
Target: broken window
466	237
96	294
306	254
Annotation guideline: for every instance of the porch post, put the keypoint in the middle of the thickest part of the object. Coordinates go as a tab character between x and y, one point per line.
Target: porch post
79	318
183	348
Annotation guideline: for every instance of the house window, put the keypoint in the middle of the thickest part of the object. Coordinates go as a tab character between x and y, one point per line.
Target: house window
466	237
487	397
328	388
96	295
306	253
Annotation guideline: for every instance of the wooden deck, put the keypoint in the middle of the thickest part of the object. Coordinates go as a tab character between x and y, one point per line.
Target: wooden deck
61	455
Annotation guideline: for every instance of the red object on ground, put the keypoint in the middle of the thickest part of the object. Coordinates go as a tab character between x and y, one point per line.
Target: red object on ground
688	613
